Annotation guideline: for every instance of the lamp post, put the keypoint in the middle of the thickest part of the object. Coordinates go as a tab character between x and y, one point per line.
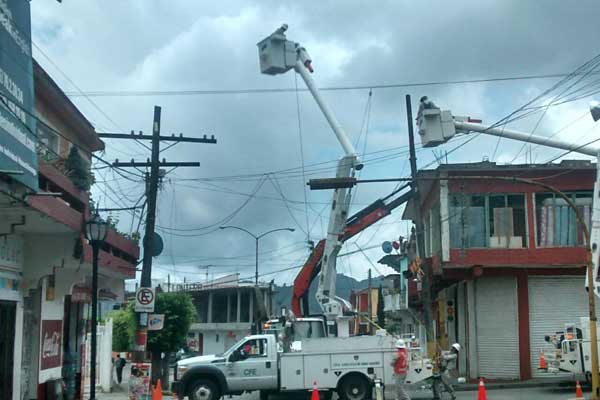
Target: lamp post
256	239
95	232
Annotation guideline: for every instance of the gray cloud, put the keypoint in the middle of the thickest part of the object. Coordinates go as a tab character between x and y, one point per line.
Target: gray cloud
170	45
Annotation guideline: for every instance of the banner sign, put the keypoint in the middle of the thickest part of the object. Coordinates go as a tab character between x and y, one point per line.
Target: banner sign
51	343
156	322
139	381
17	125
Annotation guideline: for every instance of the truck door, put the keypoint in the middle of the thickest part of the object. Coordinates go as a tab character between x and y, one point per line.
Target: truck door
252	366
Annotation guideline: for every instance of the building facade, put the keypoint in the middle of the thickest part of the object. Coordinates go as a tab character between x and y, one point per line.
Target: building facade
227	310
45	260
505	260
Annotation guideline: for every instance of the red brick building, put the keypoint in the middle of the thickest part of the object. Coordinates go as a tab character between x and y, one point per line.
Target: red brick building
505	259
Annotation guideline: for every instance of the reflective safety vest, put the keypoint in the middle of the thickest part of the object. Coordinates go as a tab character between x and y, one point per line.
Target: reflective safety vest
401	362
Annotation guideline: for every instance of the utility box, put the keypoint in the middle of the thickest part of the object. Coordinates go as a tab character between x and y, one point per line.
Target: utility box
435	127
277	54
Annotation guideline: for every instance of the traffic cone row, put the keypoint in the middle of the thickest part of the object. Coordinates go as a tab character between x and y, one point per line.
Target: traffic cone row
543	364
578	391
481	395
157	391
315	392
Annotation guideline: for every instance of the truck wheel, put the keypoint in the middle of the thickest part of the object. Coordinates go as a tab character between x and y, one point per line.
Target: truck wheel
355	387
204	389
264	394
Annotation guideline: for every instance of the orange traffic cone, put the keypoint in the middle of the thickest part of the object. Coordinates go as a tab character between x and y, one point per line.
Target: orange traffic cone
157	391
578	391
481	395
543	364
315	392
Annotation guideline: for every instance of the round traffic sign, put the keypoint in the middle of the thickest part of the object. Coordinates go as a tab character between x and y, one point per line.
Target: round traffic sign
145	296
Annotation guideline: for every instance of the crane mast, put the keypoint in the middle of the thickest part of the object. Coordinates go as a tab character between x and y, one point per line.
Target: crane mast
277	56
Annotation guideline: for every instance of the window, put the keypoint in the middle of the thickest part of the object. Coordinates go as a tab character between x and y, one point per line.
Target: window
48	143
253	348
557	224
233	302
498	221
219	307
202	307
245	307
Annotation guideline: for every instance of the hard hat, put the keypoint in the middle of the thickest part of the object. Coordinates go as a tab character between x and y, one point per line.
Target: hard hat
456	347
400	344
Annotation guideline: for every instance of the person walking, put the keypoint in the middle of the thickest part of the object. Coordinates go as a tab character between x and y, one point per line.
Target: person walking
119	365
400	364
447	364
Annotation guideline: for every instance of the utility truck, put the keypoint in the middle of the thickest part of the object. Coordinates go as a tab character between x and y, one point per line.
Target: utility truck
337	362
569	350
348	366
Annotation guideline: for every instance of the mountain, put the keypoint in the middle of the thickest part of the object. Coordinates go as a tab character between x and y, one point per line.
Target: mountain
345	285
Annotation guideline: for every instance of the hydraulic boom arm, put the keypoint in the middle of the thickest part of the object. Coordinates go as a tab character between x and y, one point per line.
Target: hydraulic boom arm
277	56
354	225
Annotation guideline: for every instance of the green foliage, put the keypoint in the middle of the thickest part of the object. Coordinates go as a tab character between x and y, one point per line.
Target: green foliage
123	329
78	171
179	313
380	307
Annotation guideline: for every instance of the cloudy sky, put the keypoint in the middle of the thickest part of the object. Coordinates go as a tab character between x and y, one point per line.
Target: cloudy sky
253	177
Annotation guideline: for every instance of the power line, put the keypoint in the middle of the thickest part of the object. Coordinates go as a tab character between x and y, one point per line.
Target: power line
138	93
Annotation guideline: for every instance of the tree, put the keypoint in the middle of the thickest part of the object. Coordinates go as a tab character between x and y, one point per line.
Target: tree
123	329
179	312
78	171
380	306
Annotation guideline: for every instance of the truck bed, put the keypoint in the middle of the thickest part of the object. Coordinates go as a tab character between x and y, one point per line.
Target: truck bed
326	360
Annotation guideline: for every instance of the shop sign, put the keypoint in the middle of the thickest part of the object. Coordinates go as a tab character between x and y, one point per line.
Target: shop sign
139	381
11	251
105	294
17	126
51	343
9	284
81	294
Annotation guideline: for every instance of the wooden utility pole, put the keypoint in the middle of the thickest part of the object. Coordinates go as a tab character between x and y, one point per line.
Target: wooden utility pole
152	182
426	291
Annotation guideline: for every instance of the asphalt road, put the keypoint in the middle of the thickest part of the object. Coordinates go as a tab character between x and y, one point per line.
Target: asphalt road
496	394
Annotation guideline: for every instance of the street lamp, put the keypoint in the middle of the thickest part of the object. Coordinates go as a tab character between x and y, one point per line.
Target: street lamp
256	238
95	232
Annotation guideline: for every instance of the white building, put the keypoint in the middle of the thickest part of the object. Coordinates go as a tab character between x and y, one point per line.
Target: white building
227	310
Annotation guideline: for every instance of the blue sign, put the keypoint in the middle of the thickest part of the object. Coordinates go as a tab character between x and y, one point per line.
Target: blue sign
17	125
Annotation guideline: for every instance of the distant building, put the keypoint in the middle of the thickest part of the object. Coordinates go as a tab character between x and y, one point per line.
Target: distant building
227	309
364	302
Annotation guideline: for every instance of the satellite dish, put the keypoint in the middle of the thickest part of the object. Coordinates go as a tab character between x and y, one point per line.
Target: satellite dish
387	247
396	245
595	110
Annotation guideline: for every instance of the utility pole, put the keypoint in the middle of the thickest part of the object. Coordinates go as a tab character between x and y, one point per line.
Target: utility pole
152	182
426	291
370	303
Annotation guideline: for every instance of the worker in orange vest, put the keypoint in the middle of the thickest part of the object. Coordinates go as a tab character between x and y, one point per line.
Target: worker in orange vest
400	364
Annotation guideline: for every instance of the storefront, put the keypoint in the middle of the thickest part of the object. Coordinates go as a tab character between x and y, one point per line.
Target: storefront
11	315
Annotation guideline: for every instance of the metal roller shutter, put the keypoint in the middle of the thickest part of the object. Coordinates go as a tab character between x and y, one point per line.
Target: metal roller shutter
497	338
553	302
